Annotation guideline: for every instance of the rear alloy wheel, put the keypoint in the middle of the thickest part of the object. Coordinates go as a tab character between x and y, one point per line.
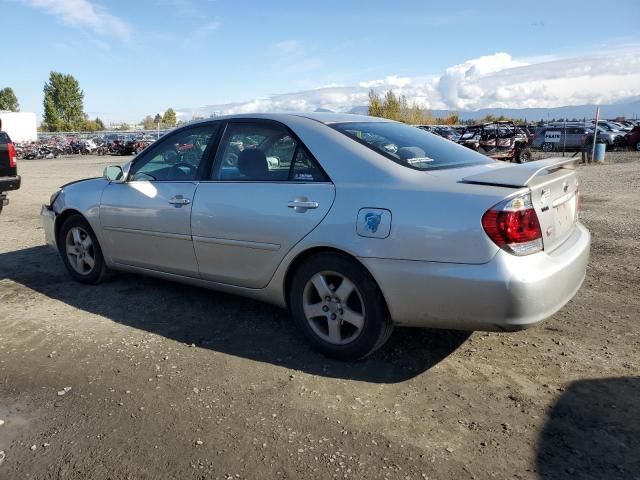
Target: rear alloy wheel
547	147
339	307
638	146
81	252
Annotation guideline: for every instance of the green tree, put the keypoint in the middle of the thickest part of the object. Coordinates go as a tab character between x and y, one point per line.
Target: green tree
169	118
8	100
157	119
148	123
451	119
391	106
416	116
93	125
63	103
375	105
404	109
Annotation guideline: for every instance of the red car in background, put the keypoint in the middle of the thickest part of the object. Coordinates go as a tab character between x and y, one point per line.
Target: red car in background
633	138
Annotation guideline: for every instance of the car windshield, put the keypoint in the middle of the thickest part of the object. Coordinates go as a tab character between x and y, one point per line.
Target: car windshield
411	146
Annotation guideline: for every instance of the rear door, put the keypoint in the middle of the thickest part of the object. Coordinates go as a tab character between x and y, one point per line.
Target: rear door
264	194
574	137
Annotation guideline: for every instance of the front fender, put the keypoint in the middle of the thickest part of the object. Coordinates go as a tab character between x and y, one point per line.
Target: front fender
82	197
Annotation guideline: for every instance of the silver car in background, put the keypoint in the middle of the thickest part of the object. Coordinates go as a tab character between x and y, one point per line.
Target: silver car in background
355	224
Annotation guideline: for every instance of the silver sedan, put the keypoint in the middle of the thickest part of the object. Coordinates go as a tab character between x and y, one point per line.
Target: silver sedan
355	224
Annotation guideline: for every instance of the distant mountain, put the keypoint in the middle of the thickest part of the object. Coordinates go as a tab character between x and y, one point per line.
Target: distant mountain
629	109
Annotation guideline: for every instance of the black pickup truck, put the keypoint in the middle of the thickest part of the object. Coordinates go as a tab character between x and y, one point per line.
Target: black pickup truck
9	178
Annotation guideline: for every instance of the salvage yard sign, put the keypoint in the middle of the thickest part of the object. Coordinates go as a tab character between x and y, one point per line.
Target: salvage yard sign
552	136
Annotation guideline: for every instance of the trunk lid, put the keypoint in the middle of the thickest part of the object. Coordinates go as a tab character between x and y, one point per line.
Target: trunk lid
553	184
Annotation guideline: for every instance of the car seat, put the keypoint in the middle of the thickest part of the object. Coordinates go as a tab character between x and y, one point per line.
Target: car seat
252	164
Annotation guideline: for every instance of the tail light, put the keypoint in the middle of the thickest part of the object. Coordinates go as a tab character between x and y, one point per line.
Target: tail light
513	225
12	155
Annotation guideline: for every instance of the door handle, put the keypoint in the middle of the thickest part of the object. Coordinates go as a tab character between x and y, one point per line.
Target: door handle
302	204
179	200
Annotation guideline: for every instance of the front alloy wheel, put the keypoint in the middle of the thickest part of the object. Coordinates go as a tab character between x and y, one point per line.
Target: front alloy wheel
339	307
80	251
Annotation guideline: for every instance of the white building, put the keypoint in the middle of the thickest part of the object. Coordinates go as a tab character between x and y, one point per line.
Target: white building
21	126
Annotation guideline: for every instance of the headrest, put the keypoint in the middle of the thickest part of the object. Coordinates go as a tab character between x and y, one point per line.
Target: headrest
252	163
405	153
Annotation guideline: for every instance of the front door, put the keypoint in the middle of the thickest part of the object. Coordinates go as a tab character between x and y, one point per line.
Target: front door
265	194
146	220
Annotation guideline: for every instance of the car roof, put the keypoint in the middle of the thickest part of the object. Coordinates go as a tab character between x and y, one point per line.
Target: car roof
322	117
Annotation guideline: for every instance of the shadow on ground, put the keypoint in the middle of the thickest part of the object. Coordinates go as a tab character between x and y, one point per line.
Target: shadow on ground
593	432
221	322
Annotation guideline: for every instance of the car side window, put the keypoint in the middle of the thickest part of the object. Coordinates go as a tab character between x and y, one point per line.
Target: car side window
174	158
305	169
262	152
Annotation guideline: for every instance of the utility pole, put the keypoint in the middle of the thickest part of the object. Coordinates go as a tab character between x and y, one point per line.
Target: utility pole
595	135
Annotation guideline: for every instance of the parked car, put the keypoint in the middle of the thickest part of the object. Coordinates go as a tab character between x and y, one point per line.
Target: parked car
362	224
559	138
633	138
445	131
9	178
498	140
611	138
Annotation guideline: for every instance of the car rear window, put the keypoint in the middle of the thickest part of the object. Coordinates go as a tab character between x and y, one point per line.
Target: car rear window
410	146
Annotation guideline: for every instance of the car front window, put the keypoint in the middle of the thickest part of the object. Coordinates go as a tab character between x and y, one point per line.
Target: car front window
409	146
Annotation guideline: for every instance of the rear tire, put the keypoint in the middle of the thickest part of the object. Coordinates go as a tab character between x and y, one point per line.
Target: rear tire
339	307
81	252
547	147
525	155
638	146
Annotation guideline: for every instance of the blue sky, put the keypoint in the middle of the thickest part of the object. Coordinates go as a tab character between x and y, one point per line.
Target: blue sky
141	56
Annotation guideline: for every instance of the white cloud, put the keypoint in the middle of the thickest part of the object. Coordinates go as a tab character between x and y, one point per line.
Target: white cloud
391	81
84	14
491	81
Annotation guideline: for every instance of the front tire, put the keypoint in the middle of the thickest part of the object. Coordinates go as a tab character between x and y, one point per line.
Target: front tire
547	147
339	307
81	252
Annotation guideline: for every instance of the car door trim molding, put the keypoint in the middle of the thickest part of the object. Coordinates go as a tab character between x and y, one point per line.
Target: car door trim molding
152	233
238	243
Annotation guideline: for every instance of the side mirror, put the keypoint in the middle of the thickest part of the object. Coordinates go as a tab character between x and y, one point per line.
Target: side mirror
113	173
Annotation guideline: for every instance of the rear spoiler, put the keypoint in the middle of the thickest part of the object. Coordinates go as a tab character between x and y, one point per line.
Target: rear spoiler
520	175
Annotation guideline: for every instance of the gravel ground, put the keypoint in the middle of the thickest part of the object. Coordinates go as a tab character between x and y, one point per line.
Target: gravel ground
141	378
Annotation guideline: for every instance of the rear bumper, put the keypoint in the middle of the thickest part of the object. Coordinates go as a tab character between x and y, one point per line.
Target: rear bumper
507	293
9	183
48	217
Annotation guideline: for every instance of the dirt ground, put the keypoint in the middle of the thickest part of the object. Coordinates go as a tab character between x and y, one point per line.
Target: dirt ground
174	382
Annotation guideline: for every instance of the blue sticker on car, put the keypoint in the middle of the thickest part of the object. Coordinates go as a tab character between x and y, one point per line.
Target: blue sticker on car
374	222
